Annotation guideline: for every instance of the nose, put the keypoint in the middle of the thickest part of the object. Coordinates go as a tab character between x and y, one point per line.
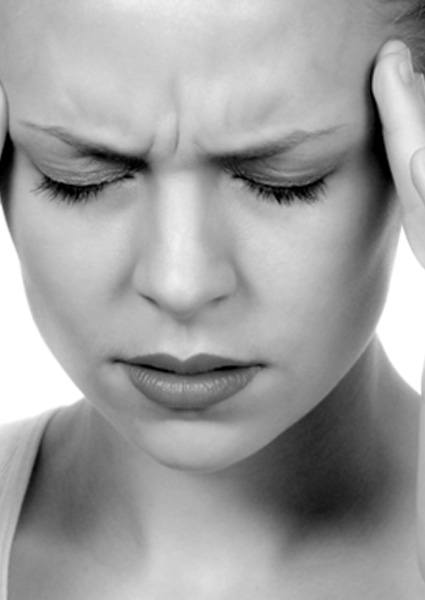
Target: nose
185	267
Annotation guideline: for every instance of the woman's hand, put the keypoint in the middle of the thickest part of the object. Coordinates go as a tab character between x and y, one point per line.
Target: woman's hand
400	96
3	119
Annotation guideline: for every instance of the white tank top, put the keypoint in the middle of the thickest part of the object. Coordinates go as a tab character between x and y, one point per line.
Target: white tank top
19	444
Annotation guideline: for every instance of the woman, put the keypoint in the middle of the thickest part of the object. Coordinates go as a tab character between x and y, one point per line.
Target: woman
205	178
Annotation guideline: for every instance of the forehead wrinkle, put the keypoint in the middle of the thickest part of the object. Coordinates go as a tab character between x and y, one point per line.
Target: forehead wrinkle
249	99
212	83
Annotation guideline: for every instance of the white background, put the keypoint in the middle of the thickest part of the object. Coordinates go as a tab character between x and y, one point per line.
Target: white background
31	380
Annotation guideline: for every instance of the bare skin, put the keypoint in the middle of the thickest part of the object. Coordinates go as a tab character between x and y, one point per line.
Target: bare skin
355	537
304	486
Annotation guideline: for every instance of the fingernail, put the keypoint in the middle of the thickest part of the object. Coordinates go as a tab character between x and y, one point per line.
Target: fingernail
395	46
405	68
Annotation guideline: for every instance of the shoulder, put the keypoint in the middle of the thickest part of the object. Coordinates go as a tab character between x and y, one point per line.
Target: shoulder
19	440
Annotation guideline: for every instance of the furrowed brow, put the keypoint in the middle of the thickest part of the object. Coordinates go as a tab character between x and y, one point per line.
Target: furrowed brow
263	150
278	146
86	149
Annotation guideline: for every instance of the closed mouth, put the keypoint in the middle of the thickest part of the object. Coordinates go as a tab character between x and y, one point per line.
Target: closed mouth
200	363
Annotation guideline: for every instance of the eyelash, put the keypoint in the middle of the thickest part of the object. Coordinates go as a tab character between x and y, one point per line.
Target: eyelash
81	194
308	193
73	194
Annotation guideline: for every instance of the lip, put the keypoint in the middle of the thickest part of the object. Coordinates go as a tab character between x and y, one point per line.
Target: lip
198	363
196	384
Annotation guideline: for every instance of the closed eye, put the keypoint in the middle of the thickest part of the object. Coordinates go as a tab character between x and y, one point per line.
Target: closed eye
308	193
284	195
71	193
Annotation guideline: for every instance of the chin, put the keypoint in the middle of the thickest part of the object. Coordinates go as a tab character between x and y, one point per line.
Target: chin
198	465
202	449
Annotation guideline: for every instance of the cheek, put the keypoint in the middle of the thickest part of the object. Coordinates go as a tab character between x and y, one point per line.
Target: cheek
73	273
323	283
327	290
65	300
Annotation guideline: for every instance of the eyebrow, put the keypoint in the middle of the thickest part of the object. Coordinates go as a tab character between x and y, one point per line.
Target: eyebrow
88	149
278	146
135	161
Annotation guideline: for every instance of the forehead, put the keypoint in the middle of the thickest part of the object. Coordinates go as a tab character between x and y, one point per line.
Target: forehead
215	65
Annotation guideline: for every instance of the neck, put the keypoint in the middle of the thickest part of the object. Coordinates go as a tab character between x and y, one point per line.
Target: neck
327	472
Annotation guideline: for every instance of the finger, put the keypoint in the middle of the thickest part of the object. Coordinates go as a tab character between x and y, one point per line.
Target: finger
421	493
400	97
417	171
3	118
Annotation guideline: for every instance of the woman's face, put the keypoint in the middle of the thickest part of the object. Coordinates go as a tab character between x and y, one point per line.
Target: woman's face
174	252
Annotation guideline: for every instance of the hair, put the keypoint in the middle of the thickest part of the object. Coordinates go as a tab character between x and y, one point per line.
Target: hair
407	18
